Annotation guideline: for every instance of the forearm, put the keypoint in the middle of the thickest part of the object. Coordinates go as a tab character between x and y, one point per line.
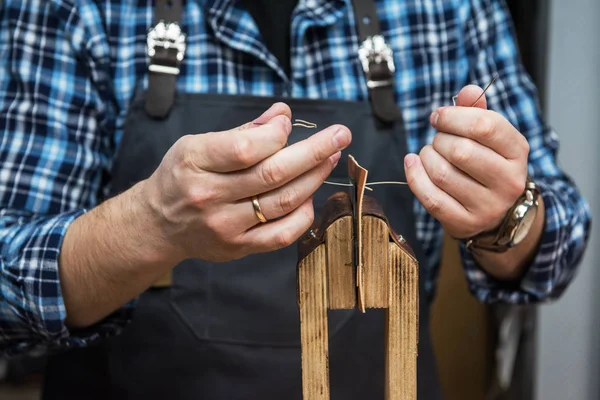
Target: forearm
109	256
513	263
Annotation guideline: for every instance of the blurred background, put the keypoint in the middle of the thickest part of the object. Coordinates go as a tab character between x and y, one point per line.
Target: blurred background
568	360
546	352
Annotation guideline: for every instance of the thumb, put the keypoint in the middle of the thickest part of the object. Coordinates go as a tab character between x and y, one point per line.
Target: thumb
273	111
469	95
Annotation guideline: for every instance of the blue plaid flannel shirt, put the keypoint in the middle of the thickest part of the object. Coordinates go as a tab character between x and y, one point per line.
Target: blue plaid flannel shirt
69	69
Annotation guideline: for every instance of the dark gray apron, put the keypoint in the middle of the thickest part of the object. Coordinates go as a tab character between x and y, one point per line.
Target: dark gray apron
231	330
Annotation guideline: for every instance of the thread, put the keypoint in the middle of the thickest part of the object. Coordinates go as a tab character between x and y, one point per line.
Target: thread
304	124
482	93
311	125
368	184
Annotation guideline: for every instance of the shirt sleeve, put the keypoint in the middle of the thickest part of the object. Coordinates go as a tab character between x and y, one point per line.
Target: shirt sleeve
56	130
492	49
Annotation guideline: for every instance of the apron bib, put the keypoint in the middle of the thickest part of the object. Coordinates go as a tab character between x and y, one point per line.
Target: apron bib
231	330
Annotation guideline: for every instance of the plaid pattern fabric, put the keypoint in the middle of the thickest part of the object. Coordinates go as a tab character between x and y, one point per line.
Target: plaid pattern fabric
69	69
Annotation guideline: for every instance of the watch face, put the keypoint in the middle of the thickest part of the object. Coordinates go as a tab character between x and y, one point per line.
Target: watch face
527	216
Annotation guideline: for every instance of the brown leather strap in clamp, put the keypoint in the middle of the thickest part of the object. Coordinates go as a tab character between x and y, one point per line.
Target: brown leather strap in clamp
377	61
166	49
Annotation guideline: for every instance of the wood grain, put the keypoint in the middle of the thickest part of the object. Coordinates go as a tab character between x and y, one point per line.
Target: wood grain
375	262
340	273
352	262
402	325
314	335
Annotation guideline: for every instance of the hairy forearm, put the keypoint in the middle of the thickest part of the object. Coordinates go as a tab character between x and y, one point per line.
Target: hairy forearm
513	263
109	256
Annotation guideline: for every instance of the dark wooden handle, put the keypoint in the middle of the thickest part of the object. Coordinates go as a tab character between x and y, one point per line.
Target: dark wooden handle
336	207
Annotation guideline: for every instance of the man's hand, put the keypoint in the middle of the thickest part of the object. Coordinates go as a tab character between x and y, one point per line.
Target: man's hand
200	196
472	174
197	204
475	170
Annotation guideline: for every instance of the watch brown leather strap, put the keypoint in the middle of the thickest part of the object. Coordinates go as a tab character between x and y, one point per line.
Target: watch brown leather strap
500	239
160	94
485	241
379	76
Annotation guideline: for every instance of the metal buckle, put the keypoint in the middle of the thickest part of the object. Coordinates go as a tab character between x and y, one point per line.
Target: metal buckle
375	50
167	36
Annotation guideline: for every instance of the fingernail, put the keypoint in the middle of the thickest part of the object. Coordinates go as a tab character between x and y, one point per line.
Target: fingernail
409	160
281	119
434	118
264	118
335	159
341	139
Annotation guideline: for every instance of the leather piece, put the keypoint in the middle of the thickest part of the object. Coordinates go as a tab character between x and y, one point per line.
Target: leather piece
358	177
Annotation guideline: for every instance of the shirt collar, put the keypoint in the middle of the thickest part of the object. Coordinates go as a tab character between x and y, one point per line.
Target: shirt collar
234	26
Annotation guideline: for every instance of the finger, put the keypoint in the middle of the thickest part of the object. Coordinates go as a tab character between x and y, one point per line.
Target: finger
280	233
470	96
239	148
275	110
464	189
481	163
438	203
287	198
289	163
486	127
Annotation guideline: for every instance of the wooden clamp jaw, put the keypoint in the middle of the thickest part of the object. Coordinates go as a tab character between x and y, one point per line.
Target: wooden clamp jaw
373	269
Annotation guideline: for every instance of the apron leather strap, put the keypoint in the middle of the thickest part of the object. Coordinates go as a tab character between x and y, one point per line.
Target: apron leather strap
377	61
367	21
164	62
167	10
375	55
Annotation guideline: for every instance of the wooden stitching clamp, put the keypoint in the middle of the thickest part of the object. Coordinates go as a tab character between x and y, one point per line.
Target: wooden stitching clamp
374	268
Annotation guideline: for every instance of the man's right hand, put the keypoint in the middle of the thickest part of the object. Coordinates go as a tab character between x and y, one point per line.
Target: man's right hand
197	204
199	198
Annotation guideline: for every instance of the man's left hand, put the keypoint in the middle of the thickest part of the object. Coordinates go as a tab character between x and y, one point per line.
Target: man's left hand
474	171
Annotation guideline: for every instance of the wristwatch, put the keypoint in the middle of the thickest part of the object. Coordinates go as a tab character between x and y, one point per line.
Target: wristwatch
515	226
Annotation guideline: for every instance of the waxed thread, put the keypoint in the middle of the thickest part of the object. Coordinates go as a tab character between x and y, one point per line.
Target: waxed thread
311	125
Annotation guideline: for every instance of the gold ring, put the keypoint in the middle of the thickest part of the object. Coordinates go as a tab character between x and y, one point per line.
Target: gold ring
257	210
